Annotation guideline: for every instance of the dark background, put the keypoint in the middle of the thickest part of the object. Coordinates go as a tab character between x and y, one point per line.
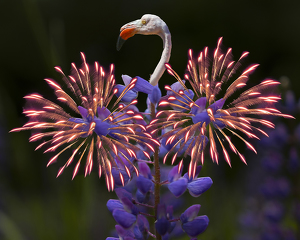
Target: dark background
36	35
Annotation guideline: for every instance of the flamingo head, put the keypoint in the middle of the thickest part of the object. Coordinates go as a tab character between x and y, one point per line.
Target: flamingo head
149	24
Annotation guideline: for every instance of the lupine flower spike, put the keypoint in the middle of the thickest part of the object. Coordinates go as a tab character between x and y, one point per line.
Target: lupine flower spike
96	132
198	117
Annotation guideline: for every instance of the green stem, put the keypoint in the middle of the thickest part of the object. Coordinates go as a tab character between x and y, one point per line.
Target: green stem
156	176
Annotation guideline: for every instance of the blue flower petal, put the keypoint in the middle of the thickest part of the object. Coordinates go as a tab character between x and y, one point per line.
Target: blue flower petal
78	120
218	123
197	226
199	186
144	170
140	197
113	204
155	95
217	105
173	174
143	184
166	236
129	95
190	213
103	112
83	112
143	223
101	128
124	233
126	79
162	225
178	187
176	87
183	99
137	233
198	169
121	193
201	117
199	105
125	219
129	206
143	86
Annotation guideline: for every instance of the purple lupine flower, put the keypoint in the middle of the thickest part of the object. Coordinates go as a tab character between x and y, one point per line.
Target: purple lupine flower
124	218
162	223
99	132
144	180
129	94
123	210
196	186
143	226
267	215
155	95
273	211
192	224
207	115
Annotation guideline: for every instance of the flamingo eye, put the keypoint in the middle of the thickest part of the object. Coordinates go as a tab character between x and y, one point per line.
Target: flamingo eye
144	21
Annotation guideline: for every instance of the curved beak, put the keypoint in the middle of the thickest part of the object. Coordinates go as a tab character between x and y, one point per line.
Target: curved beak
127	31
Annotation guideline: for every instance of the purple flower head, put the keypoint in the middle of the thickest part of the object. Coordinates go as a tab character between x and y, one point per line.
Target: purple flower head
208	113
85	124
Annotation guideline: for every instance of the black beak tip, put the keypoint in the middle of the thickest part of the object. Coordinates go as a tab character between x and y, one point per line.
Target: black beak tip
120	43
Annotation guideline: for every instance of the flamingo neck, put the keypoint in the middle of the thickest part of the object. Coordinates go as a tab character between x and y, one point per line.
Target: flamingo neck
165	56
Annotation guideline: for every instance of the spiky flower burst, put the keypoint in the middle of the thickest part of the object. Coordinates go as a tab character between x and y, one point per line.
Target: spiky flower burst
99	133
199	118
